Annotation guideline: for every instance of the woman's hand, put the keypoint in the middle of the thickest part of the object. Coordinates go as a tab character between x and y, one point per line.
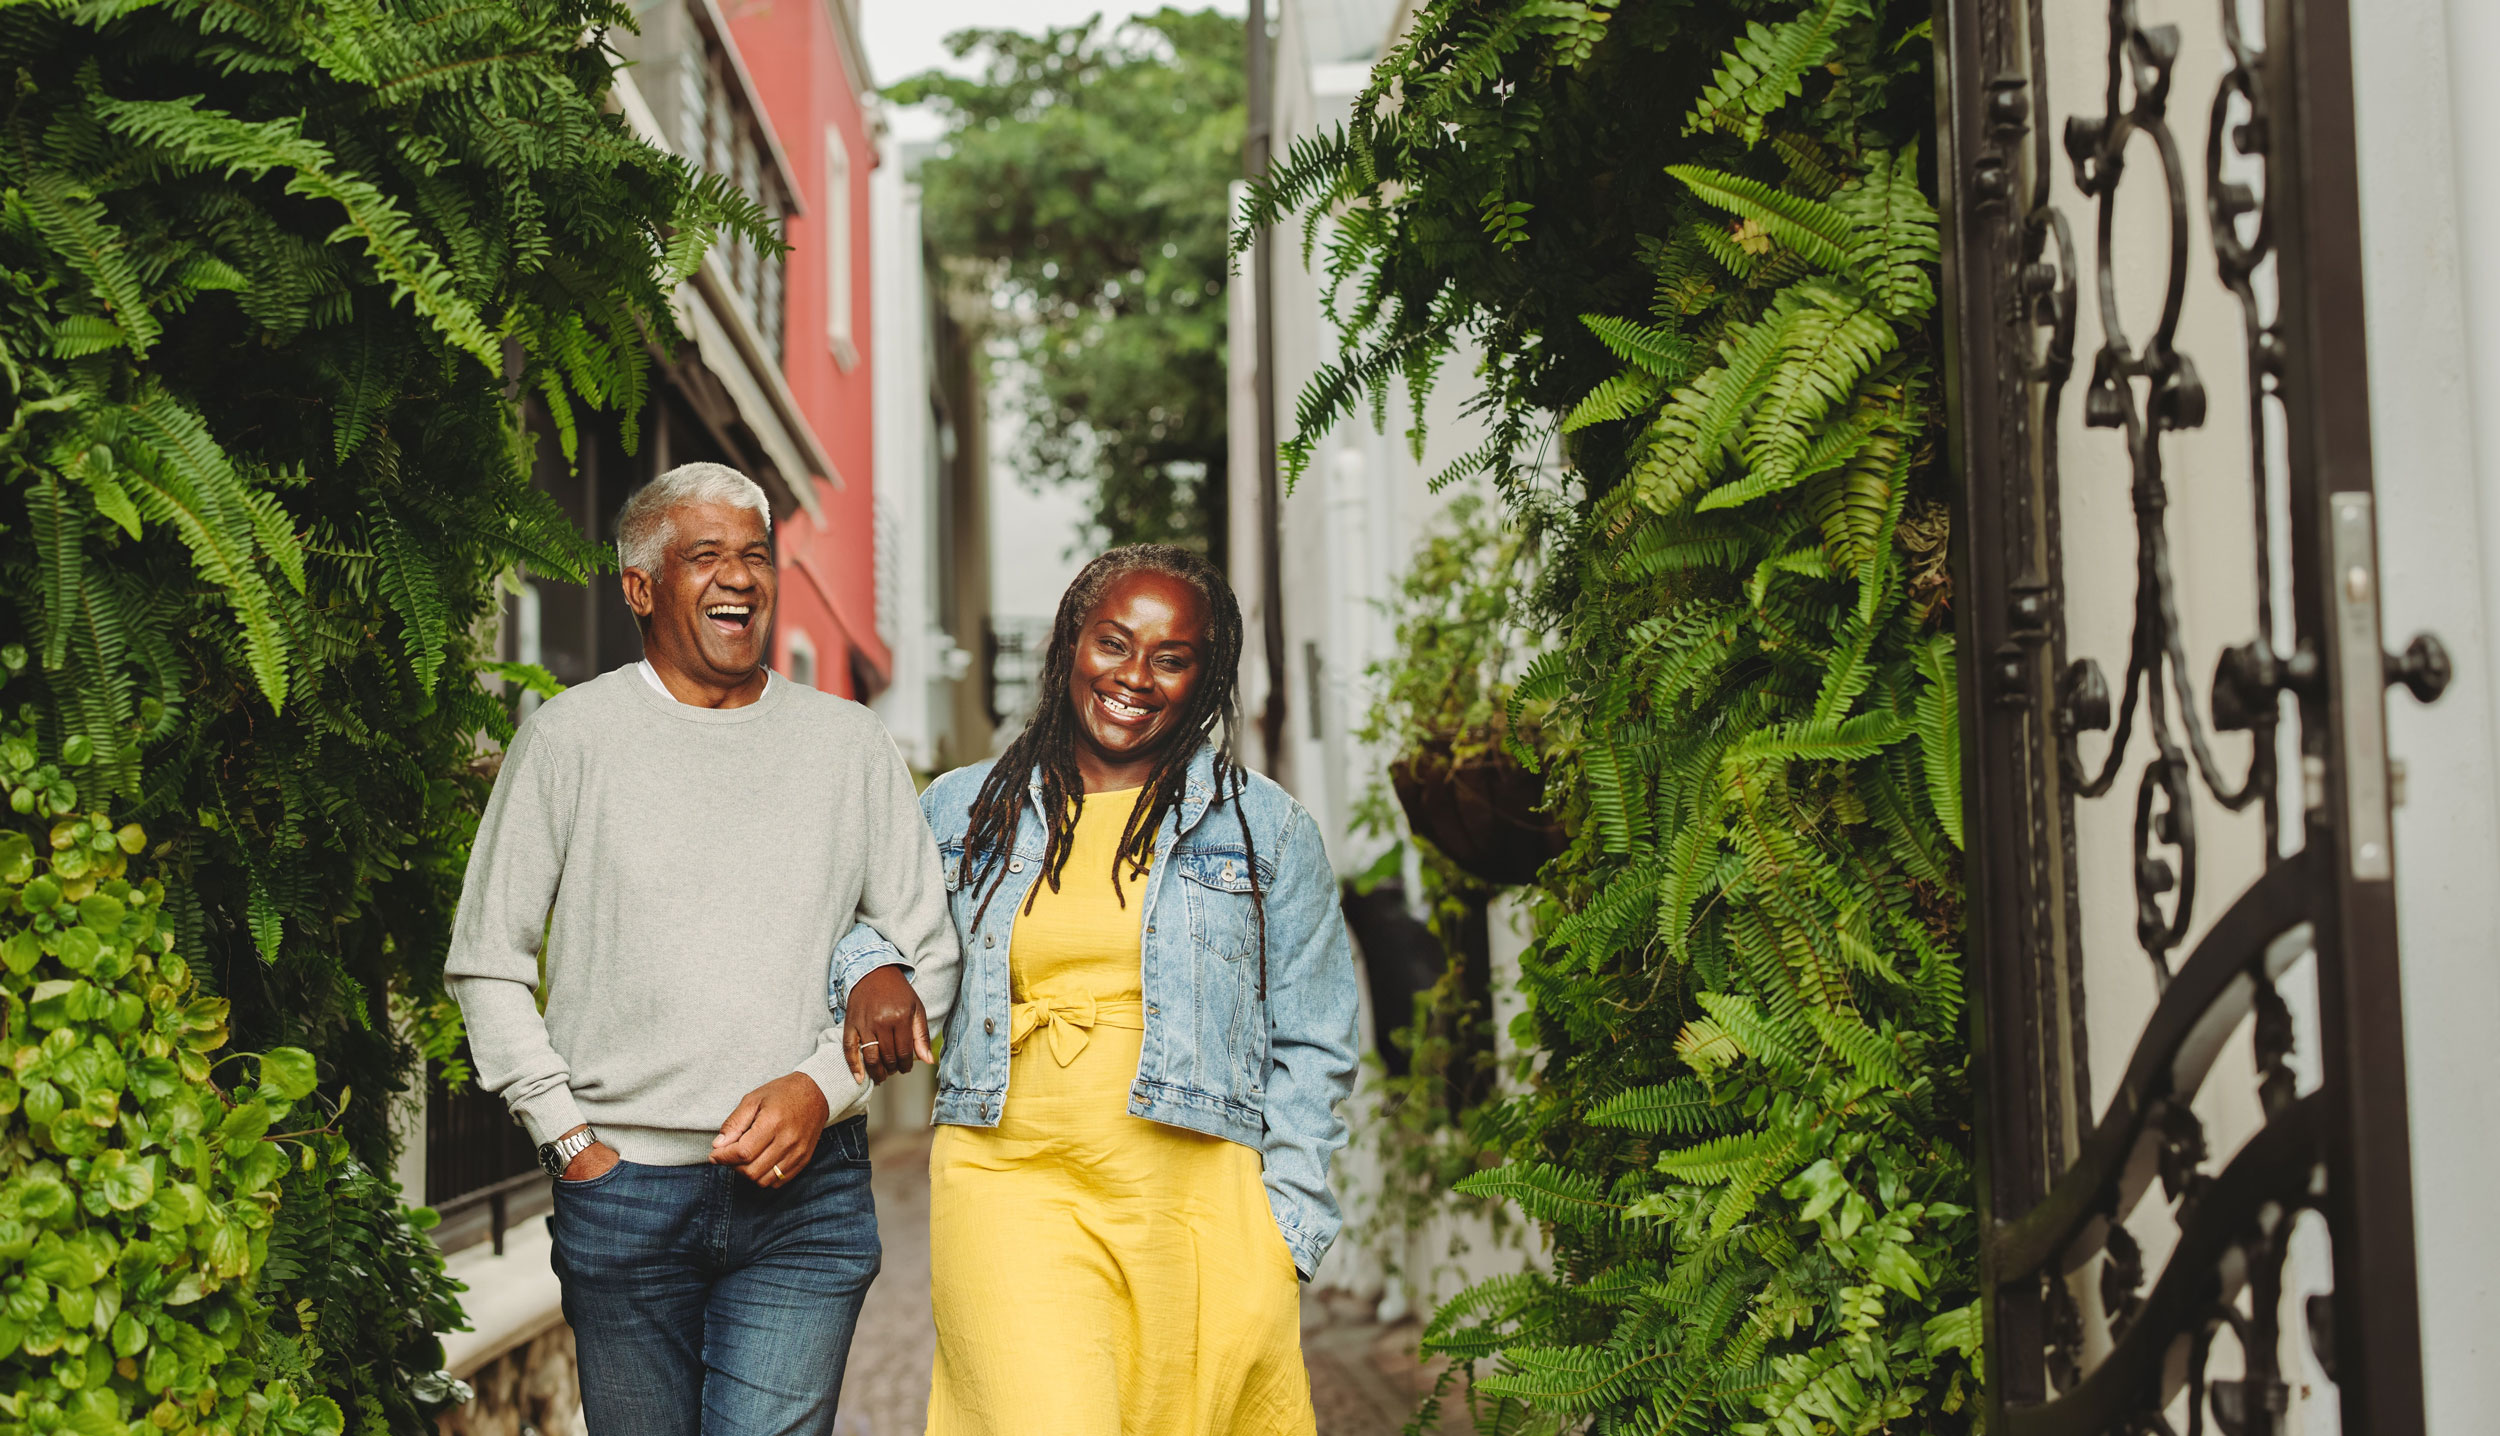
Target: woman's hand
885	1027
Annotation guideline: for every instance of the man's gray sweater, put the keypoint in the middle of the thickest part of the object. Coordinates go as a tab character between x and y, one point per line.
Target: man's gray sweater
690	870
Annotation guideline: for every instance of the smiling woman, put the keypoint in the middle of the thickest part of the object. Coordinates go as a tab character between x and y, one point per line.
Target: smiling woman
1139	1083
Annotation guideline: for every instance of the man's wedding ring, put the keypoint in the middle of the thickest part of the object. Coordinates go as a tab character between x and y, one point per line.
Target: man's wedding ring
866	1045
777	1171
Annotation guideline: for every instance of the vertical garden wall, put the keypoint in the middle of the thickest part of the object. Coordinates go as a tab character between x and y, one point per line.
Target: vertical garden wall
273	280
1692	239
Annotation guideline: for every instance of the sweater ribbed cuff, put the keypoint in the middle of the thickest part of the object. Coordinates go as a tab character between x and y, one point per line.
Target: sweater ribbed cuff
832	1075
549	1115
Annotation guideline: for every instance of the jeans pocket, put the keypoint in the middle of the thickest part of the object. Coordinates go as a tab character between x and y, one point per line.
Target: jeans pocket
588	1183
847	1142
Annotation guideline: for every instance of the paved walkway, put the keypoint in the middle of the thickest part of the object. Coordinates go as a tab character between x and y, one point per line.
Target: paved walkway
1364	1377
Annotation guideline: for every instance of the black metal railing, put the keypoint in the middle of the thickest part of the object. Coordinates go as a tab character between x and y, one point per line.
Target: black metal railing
2061	1180
481	1170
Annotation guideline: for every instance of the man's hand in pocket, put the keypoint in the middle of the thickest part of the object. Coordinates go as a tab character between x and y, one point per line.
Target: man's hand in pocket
591	1161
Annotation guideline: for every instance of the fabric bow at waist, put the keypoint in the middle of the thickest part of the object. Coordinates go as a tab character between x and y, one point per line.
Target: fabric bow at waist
1071	1021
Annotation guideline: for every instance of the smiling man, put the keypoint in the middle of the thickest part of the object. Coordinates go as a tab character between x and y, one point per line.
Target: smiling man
688	836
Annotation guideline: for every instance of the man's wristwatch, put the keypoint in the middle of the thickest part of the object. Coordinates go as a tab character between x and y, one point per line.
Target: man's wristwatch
557	1155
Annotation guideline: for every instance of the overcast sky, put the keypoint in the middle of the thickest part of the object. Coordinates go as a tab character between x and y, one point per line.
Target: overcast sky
905	37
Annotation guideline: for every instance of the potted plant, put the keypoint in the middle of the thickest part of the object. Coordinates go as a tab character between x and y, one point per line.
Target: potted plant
1443	699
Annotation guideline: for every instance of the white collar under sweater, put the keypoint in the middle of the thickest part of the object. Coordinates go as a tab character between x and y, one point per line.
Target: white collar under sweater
651	676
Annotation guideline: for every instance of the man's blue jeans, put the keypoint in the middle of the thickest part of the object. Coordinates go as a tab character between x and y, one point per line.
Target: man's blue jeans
704	1305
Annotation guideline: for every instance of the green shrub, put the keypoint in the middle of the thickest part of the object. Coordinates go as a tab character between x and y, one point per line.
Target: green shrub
136	1195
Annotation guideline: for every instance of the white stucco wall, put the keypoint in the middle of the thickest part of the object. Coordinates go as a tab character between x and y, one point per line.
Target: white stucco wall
2429	124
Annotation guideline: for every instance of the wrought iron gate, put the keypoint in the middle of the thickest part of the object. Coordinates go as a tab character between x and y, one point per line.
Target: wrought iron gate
2036	231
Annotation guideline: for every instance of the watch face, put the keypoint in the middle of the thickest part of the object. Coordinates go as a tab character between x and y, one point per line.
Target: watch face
552	1160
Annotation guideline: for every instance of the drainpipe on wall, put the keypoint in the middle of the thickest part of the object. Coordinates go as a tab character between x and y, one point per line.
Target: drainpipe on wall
1255	148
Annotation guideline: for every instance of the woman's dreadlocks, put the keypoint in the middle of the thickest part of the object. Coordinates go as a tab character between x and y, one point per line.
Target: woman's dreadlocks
1048	743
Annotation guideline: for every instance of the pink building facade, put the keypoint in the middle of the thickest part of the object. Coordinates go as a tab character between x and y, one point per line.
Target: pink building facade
807	67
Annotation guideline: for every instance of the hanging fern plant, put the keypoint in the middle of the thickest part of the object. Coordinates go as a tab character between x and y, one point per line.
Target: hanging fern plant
1714	285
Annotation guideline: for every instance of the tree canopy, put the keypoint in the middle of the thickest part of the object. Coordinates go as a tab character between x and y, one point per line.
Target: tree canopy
1084	179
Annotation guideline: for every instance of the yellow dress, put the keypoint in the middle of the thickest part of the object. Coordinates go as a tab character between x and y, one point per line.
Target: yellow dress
1094	1272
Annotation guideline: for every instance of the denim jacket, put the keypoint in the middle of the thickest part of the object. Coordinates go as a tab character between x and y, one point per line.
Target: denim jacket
1213	1061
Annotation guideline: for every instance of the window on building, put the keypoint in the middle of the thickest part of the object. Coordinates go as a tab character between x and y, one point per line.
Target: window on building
838	249
717	126
800	666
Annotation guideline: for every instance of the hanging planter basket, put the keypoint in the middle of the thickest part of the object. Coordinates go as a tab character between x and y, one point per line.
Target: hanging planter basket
1479	810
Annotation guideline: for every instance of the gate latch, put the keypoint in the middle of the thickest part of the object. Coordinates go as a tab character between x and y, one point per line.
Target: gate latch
2365	671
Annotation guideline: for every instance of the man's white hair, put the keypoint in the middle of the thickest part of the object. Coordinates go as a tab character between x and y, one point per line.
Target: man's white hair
644	530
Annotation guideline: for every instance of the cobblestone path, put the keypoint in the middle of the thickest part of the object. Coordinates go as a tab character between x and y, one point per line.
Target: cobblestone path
1364	1377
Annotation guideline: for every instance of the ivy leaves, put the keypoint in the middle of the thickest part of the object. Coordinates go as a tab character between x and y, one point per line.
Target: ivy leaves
136	1197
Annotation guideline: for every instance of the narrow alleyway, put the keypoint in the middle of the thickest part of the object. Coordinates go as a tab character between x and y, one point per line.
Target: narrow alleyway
1364	1377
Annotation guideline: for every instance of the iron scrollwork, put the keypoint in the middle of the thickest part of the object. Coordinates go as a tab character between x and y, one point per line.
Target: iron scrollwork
2059	1186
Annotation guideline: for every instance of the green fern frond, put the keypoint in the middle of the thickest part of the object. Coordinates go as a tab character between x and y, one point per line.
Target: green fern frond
92	467
1487	1316
1691	440
1622	824
409	584
1661	353
75	226
1767	1168
1938	717
1718	241
179	476
1767	68
1682	1107
1893	241
1850	505
1546	1193
1959	1330
200	138
1596	929
1657	550
1834	341
1719	1159
1823	740
1574	1378
1811	168
1820	232
1691	869
60	543
1866	1051
1546	679
1631	392
76	336
365	387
